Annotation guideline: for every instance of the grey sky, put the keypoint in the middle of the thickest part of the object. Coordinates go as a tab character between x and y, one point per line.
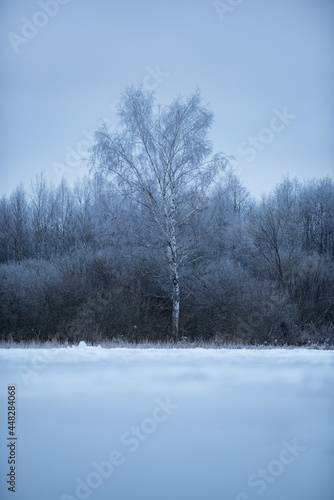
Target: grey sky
265	67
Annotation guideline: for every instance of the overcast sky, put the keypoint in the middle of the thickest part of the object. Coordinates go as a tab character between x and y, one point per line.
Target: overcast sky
264	66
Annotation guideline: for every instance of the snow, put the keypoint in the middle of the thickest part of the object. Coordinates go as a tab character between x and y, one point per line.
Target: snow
176	424
82	345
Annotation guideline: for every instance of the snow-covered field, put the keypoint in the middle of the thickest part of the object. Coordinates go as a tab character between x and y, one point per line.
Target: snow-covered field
169	424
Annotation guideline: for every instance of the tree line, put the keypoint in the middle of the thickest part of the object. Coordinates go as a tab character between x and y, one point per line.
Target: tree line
163	242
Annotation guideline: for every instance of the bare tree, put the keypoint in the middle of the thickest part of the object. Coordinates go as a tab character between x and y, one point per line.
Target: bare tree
159	159
318	216
5	229
64	218
40	216
20	223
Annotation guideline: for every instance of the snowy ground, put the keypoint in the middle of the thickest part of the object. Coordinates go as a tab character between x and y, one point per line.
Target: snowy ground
174	424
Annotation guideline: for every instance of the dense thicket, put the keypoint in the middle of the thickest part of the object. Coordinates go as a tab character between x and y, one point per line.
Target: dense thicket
84	263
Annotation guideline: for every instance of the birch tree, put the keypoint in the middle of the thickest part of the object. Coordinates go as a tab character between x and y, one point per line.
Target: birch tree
160	158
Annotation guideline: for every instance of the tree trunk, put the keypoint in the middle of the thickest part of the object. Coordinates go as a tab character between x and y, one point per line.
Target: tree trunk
175	272
176	304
